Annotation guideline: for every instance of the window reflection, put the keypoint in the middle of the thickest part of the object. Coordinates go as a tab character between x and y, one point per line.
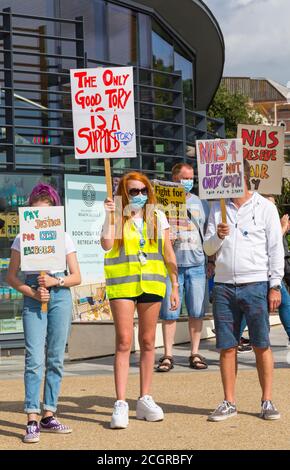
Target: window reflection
121	35
185	66
162	53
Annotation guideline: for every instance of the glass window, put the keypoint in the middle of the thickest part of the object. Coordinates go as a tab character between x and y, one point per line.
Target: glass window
145	53
93	12
162	53
185	66
122	35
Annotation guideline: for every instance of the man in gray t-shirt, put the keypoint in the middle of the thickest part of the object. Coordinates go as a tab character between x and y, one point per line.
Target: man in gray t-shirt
191	263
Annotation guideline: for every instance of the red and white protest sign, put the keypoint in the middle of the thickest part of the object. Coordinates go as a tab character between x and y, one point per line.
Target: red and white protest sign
103	112
263	147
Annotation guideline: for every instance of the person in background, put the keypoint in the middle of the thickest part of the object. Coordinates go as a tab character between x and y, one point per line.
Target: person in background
45	334
284	308
136	259
248	275
192	270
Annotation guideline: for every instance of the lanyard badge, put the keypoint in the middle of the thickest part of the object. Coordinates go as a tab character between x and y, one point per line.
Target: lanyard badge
141	255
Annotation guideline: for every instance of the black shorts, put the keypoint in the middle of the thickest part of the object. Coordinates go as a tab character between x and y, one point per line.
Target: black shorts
142	299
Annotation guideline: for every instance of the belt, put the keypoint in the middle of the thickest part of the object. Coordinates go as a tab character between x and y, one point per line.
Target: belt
244	284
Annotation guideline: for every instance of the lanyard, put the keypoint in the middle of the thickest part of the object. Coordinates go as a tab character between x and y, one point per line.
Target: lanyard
142	240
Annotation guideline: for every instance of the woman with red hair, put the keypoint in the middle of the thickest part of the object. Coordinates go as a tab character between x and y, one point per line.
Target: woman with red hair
44	331
138	251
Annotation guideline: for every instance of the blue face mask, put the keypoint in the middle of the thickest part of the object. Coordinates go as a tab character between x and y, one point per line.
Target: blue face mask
138	201
187	185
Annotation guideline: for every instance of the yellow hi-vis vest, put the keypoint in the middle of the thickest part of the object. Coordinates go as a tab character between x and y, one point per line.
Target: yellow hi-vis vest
126	276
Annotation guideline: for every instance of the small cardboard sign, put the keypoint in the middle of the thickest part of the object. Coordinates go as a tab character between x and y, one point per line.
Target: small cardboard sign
42	238
171	200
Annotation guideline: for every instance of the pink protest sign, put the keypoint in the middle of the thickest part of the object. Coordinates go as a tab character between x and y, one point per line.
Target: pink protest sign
220	168
103	112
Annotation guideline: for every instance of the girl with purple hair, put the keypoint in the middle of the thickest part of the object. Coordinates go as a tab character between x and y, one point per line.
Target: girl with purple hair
44	332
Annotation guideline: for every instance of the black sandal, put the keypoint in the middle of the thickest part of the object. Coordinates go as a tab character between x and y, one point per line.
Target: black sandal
201	364
165	366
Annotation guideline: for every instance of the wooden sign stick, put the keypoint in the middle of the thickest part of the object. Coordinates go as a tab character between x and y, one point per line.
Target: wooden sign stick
44	304
109	185
224	211
108	178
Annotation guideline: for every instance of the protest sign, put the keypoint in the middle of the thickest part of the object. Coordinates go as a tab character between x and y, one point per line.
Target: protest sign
171	199
263	147
220	169
103	115
103	112
42	240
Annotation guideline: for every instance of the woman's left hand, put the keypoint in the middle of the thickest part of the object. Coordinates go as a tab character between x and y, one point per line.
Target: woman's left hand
47	281
174	298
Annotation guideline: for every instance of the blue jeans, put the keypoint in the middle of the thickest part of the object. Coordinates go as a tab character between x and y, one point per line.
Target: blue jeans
45	329
284	309
232	303
192	282
284	312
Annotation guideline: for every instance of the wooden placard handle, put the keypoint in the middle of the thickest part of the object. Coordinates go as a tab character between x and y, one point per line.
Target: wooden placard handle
108	178
44	304
109	184
224	210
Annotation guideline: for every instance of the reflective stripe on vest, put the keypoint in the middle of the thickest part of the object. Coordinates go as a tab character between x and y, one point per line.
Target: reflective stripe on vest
123	258
136	278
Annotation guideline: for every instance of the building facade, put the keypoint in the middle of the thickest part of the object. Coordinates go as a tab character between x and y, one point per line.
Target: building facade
178	57
268	97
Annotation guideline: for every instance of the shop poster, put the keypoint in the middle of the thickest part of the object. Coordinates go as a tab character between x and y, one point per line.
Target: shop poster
85	214
263	147
103	112
42	238
220	168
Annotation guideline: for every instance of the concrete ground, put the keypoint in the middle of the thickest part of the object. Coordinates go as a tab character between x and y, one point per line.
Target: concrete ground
187	397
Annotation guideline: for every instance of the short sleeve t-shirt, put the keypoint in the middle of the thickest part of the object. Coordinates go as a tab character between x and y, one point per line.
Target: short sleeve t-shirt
69	248
161	218
188	246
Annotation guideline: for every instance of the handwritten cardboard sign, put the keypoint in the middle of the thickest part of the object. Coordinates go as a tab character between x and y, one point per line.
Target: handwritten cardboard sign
263	146
220	168
42	238
103	112
171	200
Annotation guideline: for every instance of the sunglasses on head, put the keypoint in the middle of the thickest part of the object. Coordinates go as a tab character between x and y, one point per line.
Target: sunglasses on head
137	191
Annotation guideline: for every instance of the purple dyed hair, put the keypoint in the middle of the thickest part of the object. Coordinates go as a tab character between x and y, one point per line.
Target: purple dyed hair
44	191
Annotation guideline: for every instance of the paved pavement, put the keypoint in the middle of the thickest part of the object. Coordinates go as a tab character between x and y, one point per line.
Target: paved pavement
12	367
187	397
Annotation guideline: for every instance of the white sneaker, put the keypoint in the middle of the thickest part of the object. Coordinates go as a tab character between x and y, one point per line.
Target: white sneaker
148	410
120	418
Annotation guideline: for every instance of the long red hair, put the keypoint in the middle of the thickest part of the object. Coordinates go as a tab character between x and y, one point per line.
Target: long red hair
148	215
